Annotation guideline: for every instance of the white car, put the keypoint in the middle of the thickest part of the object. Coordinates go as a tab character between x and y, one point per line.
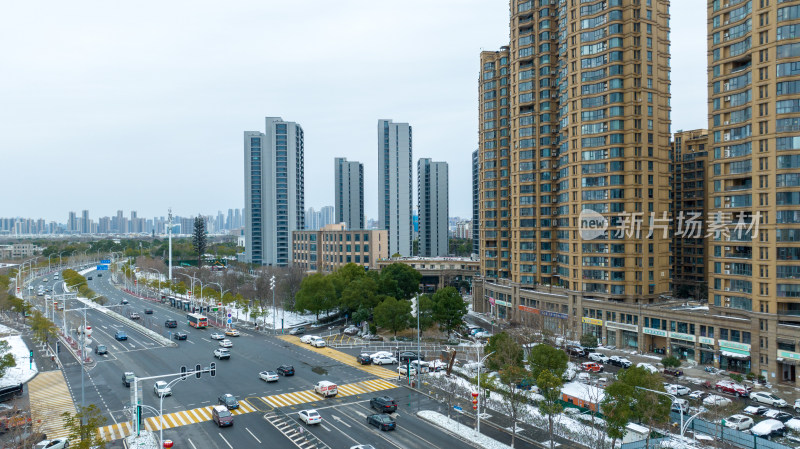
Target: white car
310	416
161	389
716	400
307	338
697	394
598	357
226	343
678	390
402	370
318	343
768	428
647	367
738	422
268	376
768	398
217	336
381	354
57	443
384	360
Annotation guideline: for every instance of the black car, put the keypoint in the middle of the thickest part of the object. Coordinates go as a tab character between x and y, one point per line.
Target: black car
408	356
170	323
782	416
89	278
285	370
127	378
180	335
10	392
577	351
383	404
673	372
148	311
99	275
364	359
229	401
100	350
121	335
383	422
124	301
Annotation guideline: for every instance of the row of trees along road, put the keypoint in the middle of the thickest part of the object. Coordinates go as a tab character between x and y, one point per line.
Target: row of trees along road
380	297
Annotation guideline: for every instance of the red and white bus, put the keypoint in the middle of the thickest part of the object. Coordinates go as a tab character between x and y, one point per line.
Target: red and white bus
197	320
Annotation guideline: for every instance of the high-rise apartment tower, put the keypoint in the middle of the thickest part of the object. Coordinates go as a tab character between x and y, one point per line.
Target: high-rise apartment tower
432	191
394	184
349	193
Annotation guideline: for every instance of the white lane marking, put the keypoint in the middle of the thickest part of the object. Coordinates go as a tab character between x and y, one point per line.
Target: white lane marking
323	426
223	439
336	418
190	442
251	434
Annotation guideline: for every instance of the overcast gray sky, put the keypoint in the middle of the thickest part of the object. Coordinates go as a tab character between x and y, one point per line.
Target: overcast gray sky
141	105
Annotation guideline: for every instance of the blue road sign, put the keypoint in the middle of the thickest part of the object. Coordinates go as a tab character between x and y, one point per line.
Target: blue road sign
457	408
230	321
102	268
105	261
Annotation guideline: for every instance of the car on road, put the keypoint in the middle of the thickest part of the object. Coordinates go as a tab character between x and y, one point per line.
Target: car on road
160	388
99	275
769	428
647	367
221	416
326	388
384	360
180	335
383	404
697	394
100	349
124	301
268	376
592	367
768	398
297	331
222	353
148	311
309	417
56	443
678	390
217	336
226	343
408	356
232	333
364	359
120	336
716	400
381	421
403	371
779	415
228	400
127	378
134	316
738	422
307	338
598	357
619	361
731	387
318	343
171	323
285	370
351	330
577	351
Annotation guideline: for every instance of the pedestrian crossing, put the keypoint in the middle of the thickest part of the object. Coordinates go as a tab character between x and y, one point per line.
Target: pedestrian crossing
202	414
50	397
345	358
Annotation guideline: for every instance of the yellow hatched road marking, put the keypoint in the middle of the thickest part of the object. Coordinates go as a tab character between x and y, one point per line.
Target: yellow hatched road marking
340	356
49	398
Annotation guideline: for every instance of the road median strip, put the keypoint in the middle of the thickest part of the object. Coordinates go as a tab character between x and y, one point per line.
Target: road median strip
345	358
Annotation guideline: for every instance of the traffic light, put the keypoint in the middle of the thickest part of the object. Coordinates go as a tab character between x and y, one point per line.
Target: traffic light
213	369
183	373
198	371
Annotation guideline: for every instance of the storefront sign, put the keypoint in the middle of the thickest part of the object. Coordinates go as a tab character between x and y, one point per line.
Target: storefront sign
594	321
743	348
623	326
656	332
706	340
680	336
502	303
562	316
789	355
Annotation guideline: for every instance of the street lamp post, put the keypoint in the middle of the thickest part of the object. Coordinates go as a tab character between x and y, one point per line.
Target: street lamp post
190	277
222	293
161	411
672	397
480	365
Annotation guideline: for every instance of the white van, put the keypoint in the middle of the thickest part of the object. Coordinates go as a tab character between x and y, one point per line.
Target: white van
318	342
326	389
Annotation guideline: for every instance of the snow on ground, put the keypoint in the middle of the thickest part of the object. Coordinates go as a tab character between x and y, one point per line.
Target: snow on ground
463	431
22	372
5	330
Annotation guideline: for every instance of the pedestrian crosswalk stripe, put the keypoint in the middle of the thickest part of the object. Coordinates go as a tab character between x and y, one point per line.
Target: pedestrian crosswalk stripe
49	398
202	414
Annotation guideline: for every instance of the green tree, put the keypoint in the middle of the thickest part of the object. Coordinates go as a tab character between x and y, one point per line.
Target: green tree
82	427
6	359
407	280
426	311
393	314
449	309
588	341
43	329
361	292
505	352
544	357
630	391
199	239
316	294
346	275
549	385
671	362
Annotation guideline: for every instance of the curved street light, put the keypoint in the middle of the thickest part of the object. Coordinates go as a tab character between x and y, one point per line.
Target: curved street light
221	294
480	366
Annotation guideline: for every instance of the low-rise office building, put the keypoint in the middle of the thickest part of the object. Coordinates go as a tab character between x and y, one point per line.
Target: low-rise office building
439	272
333	246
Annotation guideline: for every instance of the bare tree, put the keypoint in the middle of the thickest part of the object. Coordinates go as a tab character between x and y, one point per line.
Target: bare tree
449	390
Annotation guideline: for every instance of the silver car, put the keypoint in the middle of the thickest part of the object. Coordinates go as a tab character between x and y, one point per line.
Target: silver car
161	389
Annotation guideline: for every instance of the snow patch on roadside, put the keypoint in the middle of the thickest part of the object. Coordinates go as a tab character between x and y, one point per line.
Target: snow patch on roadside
25	370
5	330
459	429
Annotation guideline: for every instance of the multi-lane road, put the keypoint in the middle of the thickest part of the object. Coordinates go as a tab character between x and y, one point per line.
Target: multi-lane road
187	422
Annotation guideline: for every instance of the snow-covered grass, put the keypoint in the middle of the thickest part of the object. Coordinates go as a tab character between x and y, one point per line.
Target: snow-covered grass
461	430
25	370
5	330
